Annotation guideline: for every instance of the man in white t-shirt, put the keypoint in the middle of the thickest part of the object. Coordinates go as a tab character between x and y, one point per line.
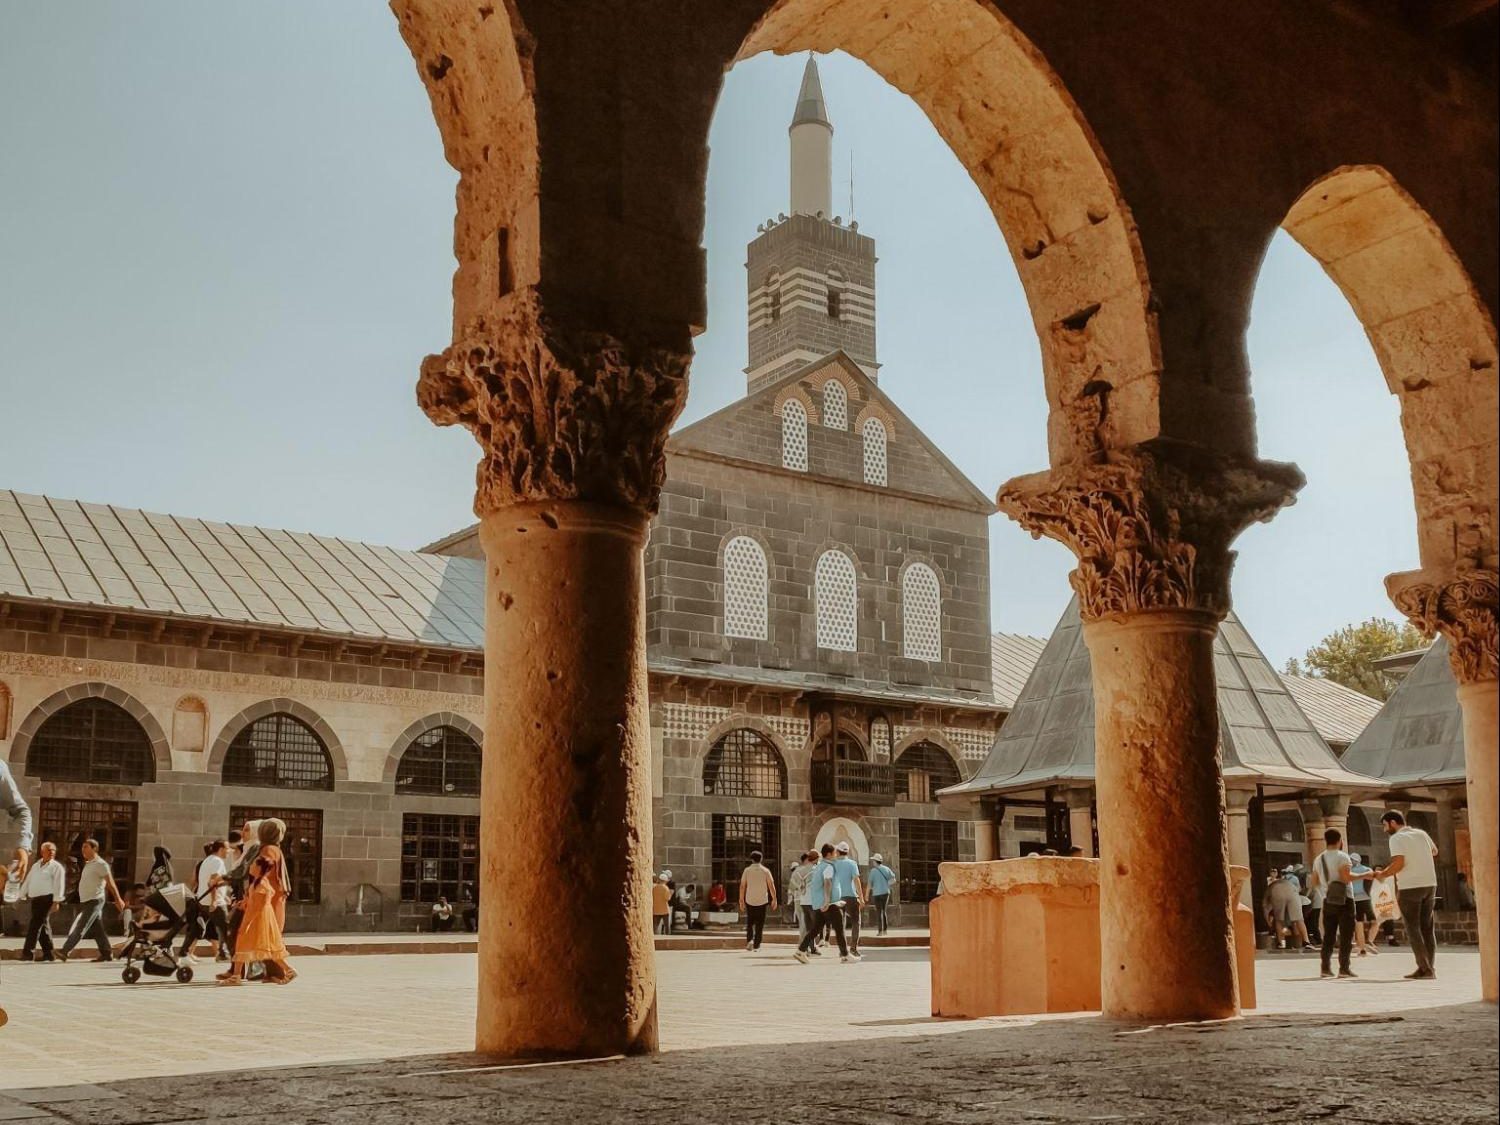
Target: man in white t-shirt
757	895
212	896
1412	863
1332	874
94	879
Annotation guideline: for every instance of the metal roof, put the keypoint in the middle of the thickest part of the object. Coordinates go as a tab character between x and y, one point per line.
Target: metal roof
1417	738
1340	714
1012	657
1265	737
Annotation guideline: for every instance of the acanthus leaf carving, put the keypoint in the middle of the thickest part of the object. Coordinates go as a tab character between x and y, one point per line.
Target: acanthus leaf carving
1464	606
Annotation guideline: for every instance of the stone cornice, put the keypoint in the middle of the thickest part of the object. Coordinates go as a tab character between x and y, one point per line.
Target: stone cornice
1464	606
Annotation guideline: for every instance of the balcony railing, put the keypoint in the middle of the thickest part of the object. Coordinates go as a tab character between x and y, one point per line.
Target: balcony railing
853	783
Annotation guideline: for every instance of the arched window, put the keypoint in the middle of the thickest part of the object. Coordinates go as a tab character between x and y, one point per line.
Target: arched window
874	434
744	764
443	761
278	751
794	435
835	296
836	602
835	405
92	740
921	614
773	296
745	579
923	769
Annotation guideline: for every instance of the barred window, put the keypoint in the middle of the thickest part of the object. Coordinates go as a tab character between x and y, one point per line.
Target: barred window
734	838
835	405
921	613
278	751
920	846
836	601
444	761
92	740
921	770
302	845
439	857
875	437
745	580
69	821
794	435
744	764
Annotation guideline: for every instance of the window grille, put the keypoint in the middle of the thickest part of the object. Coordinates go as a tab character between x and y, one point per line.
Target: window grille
875	460
835	595
278	751
921	613
68	822
921	770
794	435
92	740
444	761
439	856
302	845
835	405
920	846
745	578
744	764
734	838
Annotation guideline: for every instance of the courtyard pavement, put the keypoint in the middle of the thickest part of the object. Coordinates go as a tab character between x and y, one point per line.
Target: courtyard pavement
382	1038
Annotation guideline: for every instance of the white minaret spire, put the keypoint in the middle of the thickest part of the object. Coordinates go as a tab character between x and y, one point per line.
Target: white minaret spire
812	148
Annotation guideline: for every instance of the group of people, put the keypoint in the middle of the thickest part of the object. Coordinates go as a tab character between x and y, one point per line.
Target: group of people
831	896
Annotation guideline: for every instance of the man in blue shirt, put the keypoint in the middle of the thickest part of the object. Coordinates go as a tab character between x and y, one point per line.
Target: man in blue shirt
882	879
822	902
851	894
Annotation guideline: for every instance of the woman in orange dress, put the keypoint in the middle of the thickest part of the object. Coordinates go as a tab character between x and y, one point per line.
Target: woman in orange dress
266	893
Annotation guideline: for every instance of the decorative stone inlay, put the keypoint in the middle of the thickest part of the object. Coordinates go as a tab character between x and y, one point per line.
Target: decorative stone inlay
1151	525
690	721
791	728
561	413
1464	607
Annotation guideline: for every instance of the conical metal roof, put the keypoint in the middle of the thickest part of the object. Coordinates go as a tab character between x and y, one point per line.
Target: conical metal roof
1266	739
810	106
1417	739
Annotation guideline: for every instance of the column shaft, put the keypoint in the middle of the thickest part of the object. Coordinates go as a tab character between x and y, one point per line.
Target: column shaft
1447	844
985	840
1081	826
1481	734
1239	839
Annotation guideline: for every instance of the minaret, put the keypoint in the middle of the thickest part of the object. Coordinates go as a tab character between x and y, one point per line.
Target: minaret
811	276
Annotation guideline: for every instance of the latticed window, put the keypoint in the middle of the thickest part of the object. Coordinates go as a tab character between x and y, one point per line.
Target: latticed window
744	764
443	760
880	738
92	740
439	856
302	845
278	751
794	435
921	770
874	437
835	405
745	579
734	838
920	846
921	614
68	822
836	601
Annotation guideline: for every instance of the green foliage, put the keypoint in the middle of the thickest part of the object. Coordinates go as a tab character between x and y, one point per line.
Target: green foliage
1348	656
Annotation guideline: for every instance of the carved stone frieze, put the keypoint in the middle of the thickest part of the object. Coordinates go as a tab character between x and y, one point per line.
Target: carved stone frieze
561	413
1464	606
1151	525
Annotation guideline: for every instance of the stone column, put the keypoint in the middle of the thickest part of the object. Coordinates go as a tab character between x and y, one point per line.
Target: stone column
1081	819
1239	837
986	833
1313	825
1464	605
1151	527
573	425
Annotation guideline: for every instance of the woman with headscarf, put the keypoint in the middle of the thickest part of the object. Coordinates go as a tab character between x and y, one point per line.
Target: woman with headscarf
161	869
266	891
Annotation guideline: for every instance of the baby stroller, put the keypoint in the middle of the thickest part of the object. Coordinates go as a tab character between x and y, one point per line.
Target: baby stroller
151	942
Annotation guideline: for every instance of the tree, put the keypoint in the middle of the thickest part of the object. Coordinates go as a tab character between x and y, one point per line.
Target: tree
1348	656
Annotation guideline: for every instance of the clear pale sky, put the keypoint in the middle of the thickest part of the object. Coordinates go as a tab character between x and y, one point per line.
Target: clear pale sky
225	247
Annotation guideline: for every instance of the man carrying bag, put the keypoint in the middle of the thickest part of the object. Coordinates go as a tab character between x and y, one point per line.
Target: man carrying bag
1331	873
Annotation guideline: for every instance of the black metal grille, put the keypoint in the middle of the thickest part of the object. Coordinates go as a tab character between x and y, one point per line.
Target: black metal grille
279	751
439	854
735	837
744	764
302	845
444	761
921	770
68	822
921	846
92	740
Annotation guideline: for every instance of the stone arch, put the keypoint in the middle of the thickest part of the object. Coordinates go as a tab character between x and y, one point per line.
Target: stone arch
420	727
735	722
774	771
161	751
291	707
1434	339
844	827
798	392
873	410
929	756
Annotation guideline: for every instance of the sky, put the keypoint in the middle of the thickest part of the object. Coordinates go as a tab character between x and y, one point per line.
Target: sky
226	245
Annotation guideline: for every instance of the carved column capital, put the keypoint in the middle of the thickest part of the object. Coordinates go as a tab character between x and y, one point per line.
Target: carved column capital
1151	525
1464	606
561	412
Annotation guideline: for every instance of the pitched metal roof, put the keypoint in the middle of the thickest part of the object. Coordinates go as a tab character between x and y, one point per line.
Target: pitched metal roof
1417	738
810	105
66	552
1339	713
1265	737
1012	657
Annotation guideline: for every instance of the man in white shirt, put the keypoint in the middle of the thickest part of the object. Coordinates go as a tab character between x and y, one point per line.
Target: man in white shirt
209	917
44	888
94	878
1332	874
757	895
1412	862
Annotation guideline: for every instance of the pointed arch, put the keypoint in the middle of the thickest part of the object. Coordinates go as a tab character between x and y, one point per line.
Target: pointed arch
161	751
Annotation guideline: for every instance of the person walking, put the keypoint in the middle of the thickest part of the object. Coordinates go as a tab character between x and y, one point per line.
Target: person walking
1413	856
796	890
260	937
825	908
882	879
757	895
44	887
94	879
661	906
18	815
1364	909
238	878
1331	874
851	894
